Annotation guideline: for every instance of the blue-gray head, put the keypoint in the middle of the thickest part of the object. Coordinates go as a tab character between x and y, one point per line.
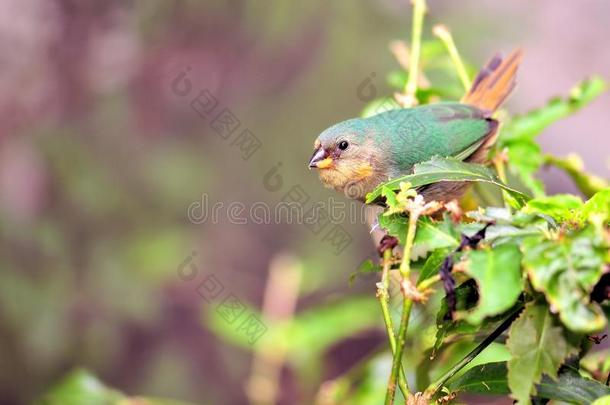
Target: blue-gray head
345	154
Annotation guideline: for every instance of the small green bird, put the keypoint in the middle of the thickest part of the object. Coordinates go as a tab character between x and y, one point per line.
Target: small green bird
357	155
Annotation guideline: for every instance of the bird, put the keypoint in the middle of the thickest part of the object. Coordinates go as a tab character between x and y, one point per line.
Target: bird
357	155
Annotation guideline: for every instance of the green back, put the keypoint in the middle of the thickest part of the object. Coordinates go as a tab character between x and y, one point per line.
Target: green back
417	134
413	135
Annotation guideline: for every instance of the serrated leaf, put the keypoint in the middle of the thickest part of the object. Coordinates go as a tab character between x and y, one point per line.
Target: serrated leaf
390	197
565	271
466	297
519	133
498	274
530	125
432	235
561	207
432	264
500	234
597	206
440	169
570	387
573	388
488	379
537	347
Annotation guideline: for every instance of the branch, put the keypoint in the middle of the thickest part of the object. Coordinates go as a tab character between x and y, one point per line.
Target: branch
382	294
405	269
436	386
419	9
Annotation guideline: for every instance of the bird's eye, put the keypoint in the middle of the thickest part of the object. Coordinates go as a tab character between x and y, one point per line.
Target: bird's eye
343	145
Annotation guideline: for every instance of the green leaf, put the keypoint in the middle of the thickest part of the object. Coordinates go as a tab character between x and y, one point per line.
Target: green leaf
573	388
602	401
440	169
524	154
395	225
597	206
570	387
310	332
565	271
80	387
489	379
390	197
365	267
597	362
498	274
466	297
432	264
561	207
432	235
537	347
530	125
587	183
525	158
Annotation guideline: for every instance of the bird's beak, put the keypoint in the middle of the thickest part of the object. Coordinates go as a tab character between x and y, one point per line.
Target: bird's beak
320	158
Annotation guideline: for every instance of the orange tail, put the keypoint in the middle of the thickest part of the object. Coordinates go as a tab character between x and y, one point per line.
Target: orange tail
494	82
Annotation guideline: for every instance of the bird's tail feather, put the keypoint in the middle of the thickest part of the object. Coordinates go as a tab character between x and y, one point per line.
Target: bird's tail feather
494	82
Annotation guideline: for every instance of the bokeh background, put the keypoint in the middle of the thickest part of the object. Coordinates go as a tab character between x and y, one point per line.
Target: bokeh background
101	158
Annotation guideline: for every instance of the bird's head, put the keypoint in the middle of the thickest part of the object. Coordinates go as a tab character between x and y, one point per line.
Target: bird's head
345	154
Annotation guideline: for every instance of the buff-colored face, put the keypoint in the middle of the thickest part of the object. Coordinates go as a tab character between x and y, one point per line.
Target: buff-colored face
340	160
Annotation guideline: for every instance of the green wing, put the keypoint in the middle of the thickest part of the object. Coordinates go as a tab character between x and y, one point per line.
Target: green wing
444	129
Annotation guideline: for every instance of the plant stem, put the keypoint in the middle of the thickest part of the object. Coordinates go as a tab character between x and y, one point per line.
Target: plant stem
445	36
382	294
498	162
428	282
405	264
436	386
279	304
419	9
405	269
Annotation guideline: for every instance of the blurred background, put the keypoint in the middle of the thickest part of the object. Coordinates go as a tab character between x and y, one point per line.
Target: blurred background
124	123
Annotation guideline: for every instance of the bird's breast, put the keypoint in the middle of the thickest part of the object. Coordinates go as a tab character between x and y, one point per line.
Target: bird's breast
353	181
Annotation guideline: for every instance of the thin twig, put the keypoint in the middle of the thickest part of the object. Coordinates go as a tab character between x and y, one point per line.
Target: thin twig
279	304
436	386
425	284
419	9
382	294
442	32
405	270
